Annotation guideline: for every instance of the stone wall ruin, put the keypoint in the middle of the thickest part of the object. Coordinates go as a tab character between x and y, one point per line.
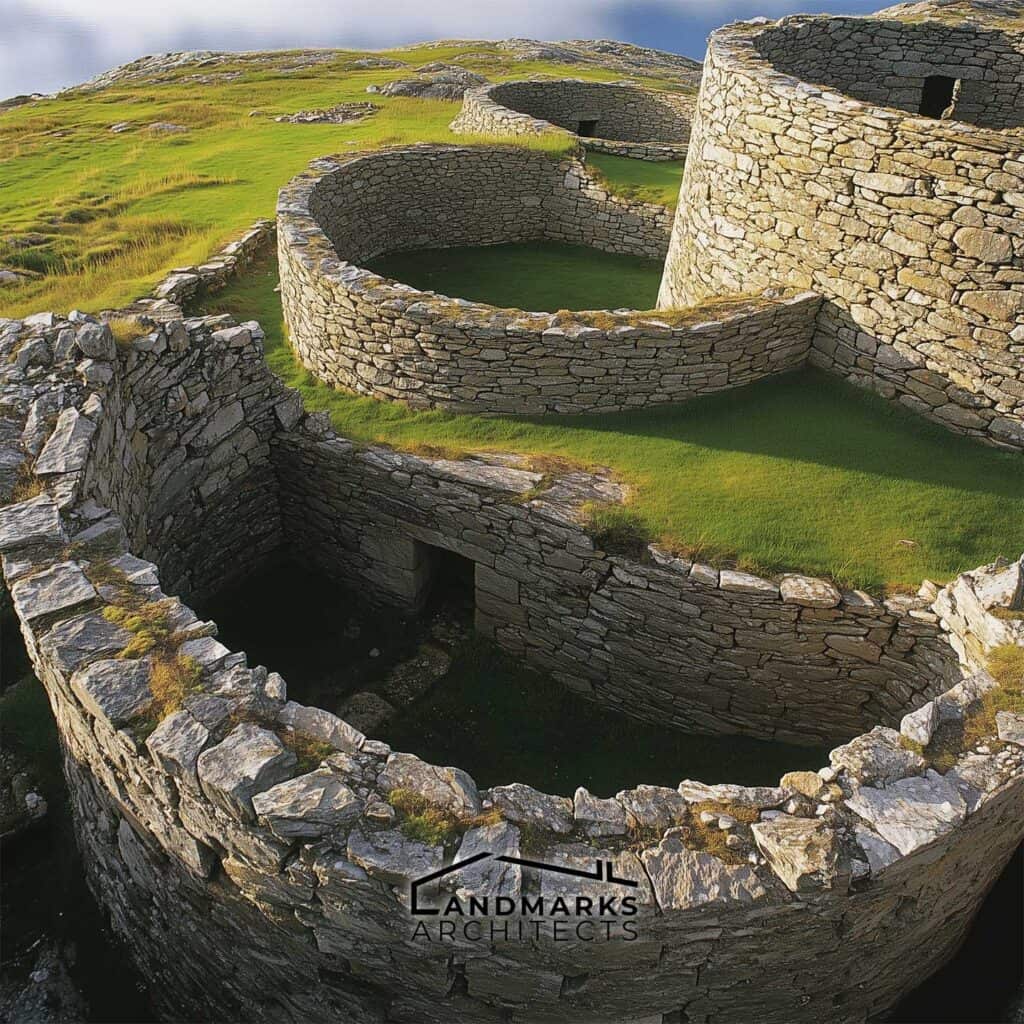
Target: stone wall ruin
197	828
617	118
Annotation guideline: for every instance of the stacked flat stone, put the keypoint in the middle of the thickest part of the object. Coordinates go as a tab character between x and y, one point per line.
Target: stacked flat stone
354	329
288	888
630	121
910	228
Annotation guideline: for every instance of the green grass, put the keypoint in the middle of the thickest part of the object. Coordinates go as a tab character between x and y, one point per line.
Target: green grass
648	181
501	722
536	276
801	472
106	215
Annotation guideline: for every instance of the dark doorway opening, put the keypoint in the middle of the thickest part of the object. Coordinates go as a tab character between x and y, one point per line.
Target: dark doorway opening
587	129
937	95
452	581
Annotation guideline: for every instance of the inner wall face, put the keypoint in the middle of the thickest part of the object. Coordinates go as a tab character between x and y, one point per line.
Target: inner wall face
979	73
595	110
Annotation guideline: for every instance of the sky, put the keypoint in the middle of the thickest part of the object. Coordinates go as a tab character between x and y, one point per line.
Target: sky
46	45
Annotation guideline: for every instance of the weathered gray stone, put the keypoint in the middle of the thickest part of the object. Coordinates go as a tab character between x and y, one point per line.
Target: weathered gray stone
877	758
489	877
391	856
656	807
248	761
809	591
115	690
802	851
450	788
60	589
598	817
919	725
175	745
1010	728
68	446
685	878
526	806
320	725
35	521
308	806
911	812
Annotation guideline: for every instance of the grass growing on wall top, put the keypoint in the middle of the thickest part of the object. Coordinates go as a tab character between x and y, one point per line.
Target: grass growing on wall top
802	472
103	216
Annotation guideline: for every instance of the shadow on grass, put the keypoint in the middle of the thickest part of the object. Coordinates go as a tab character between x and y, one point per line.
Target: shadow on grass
809	416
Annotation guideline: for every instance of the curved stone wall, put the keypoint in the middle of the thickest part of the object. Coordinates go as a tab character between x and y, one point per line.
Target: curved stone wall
354	329
249	888
910	228
885	62
623	119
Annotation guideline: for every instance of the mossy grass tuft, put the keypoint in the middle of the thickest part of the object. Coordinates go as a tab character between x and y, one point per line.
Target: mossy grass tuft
978	726
436	826
709	837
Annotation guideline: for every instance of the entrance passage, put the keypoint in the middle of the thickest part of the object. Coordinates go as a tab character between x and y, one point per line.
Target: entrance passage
587	129
938	96
452	580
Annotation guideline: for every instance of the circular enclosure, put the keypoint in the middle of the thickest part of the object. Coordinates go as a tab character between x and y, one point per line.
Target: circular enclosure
357	330
623	119
956	71
907	226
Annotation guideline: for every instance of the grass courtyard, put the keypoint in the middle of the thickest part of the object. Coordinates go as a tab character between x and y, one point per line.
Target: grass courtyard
539	276
802	472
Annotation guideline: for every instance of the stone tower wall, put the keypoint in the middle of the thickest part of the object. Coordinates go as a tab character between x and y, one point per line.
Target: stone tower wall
885	61
909	228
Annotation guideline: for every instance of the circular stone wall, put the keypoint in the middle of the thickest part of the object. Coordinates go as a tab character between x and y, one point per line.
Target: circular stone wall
354	329
249	887
909	227
622	119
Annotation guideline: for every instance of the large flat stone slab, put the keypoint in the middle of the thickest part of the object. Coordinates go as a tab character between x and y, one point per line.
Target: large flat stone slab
308	806
911	812
36	521
116	690
61	588
684	879
247	762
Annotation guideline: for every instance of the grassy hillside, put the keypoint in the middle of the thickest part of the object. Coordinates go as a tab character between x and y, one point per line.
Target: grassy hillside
104	215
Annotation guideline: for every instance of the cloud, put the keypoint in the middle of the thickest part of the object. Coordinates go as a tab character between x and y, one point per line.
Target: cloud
50	44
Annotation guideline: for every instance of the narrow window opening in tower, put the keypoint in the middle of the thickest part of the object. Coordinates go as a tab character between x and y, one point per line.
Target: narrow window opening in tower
587	129
939	96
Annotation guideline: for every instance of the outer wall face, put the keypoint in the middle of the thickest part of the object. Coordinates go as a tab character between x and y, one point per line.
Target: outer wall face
909	227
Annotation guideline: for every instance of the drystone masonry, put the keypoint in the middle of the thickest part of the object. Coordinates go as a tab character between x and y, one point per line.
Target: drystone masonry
909	227
354	329
622	119
250	888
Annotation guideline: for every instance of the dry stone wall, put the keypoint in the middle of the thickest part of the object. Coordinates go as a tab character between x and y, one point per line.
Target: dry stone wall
250	888
885	62
622	119
909	228
354	329
664	640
